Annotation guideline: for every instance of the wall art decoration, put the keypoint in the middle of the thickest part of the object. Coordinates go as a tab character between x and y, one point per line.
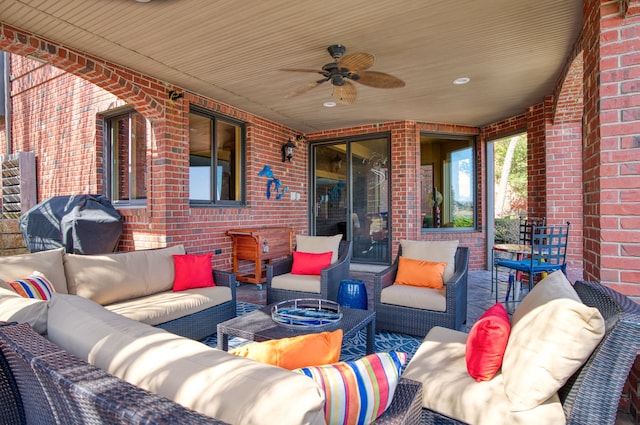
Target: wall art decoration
276	183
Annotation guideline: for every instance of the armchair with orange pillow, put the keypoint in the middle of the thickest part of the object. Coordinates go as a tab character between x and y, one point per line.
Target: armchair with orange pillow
426	286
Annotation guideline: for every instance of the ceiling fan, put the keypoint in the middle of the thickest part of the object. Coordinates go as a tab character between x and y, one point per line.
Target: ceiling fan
344	68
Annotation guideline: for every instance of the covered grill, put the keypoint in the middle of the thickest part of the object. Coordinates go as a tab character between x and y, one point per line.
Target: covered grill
82	224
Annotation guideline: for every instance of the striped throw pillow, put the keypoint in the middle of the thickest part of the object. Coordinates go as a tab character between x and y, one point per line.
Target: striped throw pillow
35	286
358	392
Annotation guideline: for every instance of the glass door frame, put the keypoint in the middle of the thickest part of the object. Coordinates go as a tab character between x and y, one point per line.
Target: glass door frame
349	187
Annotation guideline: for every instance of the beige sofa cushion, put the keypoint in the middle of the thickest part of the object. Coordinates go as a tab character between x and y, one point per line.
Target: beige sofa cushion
109	278
297	282
48	263
319	244
14	308
434	251
447	387
162	307
233	389
416	297
552	334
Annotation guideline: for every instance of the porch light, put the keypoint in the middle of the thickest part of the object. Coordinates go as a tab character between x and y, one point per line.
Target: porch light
287	151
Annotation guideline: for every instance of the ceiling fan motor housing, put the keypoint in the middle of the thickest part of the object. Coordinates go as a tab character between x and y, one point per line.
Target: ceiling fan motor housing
336	50
337	80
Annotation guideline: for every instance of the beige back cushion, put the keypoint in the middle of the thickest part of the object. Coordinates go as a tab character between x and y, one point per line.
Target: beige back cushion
439	363
552	334
230	388
319	244
435	251
48	263
109	278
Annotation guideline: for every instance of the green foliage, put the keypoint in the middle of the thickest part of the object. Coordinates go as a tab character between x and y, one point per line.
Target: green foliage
507	230
463	221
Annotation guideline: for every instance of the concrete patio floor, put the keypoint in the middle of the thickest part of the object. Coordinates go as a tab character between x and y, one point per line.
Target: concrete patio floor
479	298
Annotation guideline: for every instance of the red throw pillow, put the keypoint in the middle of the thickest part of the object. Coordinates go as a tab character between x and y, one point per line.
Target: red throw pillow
192	271
487	342
310	263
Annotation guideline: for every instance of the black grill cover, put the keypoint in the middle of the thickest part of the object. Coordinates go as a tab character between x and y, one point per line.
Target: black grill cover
82	224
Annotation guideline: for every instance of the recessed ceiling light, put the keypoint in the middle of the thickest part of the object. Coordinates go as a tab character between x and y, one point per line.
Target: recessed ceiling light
329	104
461	80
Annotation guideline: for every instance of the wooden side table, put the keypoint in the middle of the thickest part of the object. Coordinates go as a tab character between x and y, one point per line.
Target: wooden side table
260	246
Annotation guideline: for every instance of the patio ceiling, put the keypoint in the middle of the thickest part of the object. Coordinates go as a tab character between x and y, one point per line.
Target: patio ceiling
512	50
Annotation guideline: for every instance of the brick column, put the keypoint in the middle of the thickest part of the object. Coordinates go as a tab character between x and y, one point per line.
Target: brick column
612	154
612	145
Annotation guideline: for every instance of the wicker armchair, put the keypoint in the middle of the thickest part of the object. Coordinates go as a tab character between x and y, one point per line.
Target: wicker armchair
592	394
330	277
415	321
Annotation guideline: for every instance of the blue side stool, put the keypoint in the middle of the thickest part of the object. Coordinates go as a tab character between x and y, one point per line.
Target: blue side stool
352	294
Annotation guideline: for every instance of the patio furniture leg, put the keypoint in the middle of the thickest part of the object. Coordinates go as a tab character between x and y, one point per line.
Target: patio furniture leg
371	335
223	341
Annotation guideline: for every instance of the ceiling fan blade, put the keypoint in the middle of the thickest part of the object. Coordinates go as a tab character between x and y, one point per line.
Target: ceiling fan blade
378	80
346	93
357	61
306	88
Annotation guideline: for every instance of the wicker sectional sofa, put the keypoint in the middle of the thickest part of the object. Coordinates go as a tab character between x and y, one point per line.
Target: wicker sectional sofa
135	284
93	365
550	374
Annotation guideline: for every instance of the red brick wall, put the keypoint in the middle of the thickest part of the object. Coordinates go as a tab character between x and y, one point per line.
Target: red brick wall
46	120
612	145
611	154
406	220
167	217
62	123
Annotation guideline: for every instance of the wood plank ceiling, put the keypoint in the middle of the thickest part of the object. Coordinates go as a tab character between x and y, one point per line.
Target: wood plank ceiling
512	50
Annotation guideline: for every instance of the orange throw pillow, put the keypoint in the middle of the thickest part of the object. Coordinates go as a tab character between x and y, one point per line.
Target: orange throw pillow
310	263
295	352
487	342
420	273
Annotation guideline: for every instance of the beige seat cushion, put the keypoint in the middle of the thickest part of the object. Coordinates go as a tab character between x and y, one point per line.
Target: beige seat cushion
48	263
162	307
552	334
416	297
447	387
297	282
109	278
233	389
434	251
14	308
319	244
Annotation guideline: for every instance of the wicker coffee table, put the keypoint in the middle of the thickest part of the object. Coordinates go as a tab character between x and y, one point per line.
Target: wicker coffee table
259	326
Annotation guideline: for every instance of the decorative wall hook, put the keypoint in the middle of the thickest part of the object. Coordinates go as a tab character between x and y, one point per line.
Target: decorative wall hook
174	95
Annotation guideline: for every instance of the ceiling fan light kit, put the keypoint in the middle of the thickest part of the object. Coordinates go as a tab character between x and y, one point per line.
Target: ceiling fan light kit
345	69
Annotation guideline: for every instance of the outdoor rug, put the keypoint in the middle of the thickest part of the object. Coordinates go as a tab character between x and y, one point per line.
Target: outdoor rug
352	349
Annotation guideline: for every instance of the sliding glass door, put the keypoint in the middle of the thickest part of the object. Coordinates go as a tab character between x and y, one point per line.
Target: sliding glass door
351	191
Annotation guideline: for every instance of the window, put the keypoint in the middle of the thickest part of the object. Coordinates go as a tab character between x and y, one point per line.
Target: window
216	150
127	158
447	171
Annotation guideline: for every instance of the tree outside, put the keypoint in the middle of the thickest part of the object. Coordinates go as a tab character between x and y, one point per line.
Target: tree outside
510	156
